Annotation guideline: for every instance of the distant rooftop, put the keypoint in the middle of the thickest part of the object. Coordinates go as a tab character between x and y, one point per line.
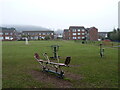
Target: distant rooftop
91	28
76	27
66	30
39	31
4	28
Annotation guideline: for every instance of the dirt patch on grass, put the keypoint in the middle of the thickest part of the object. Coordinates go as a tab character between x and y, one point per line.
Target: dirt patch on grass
54	80
73	76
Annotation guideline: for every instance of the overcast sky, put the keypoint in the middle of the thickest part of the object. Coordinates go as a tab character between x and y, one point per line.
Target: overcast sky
60	14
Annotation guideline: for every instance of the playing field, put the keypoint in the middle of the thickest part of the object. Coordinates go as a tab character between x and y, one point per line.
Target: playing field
87	69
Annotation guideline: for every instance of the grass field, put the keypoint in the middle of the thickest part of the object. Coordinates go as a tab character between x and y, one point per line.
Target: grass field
87	69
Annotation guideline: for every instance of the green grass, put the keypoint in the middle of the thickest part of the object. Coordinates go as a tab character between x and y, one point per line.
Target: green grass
96	72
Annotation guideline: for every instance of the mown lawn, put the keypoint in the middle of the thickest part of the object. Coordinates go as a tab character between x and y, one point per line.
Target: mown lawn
95	72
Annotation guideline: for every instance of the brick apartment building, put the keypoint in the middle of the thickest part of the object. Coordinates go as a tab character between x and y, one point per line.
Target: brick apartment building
35	35
8	34
80	33
74	33
66	34
92	34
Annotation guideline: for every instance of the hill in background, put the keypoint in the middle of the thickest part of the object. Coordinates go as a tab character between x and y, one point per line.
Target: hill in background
21	28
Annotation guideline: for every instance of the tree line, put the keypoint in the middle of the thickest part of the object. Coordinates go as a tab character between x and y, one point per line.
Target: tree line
114	35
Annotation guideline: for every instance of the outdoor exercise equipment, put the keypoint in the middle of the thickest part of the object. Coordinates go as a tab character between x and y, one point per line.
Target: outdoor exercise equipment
55	51
101	50
57	66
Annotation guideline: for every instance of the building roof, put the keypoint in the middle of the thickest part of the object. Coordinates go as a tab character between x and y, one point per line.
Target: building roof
92	28
4	29
36	31
66	30
102	33
76	27
8	30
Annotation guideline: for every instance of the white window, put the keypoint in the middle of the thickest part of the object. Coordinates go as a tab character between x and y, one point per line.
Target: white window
106	35
32	38
43	33
83	37
39	33
83	33
74	30
83	30
74	33
1	33
74	37
51	33
1	38
6	37
11	33
79	37
6	33
78	33
78	30
11	38
42	37
36	37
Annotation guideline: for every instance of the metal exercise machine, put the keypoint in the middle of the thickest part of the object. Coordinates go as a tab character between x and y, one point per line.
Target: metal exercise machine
55	51
101	50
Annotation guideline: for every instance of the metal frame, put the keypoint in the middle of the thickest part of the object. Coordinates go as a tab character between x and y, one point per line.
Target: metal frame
57	66
55	53
101	50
